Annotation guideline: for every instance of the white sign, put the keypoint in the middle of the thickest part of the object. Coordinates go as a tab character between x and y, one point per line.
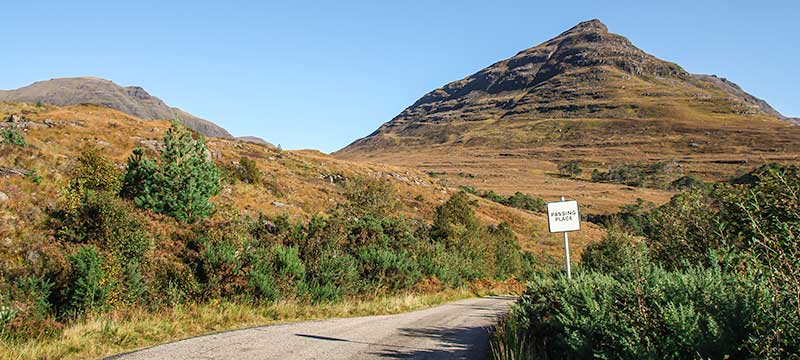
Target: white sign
563	216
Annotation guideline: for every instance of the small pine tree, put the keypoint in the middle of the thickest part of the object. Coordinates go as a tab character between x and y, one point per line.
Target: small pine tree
180	183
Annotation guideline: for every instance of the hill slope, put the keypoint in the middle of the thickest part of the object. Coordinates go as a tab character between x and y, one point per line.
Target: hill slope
132	100
586	95
300	184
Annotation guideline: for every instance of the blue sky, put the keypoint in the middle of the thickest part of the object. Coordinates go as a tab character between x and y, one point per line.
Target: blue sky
319	74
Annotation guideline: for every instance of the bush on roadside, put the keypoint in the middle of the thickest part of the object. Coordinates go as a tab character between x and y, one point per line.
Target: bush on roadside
88	288
608	255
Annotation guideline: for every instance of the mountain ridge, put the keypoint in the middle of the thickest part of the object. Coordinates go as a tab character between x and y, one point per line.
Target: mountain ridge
132	100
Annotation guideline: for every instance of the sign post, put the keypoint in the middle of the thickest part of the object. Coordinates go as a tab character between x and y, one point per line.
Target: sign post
563	216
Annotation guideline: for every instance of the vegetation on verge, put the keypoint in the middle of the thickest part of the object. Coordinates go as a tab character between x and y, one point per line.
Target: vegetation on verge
716	276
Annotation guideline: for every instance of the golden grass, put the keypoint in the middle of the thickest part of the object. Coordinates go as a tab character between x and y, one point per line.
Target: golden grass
123	331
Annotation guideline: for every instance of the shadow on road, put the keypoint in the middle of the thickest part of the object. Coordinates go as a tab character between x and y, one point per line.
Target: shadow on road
451	343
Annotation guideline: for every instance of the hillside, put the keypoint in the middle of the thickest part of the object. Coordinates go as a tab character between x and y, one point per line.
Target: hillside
132	100
298	183
589	96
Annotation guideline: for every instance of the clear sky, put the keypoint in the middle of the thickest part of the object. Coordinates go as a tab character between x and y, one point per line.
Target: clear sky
319	74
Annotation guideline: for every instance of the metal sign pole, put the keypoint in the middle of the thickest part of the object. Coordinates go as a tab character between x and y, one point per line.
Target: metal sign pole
566	251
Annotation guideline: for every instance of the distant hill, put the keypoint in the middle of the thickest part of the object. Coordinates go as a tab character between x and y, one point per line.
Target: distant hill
132	100
256	140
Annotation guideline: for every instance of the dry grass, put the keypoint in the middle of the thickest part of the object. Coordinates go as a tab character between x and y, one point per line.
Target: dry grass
122	331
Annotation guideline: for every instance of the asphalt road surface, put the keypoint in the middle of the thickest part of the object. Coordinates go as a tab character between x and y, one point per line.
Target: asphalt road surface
458	330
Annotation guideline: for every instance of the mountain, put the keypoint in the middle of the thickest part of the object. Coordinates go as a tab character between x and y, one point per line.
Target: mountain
589	96
132	100
585	72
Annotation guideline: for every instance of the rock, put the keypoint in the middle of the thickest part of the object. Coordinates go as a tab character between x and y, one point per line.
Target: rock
278	204
3	197
154	145
31	256
14	118
49	122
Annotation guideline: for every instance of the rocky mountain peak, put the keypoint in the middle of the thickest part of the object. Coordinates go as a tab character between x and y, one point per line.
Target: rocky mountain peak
594	25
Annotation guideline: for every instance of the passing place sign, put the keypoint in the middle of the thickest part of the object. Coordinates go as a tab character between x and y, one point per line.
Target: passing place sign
563	216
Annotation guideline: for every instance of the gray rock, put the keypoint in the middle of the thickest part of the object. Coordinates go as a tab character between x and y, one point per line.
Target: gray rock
278	204
14	118
3	197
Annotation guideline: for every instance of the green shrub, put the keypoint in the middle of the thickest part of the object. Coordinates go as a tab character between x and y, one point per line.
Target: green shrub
180	183
135	289
13	137
689	182
369	196
507	254
631	218
526	202
519	200
334	275
102	219
33	176
641	175
95	172
681	232
570	168
290	271
388	270
247	171
37	292
221	266
261	280
609	254
87	289
454	219
643	312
